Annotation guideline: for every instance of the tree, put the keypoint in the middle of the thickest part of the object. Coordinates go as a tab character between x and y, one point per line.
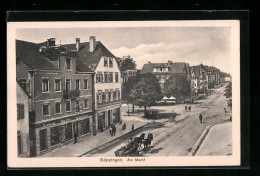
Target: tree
228	94
127	63
147	91
127	87
178	86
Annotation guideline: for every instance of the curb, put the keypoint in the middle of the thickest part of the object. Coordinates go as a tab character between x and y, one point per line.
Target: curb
202	137
113	142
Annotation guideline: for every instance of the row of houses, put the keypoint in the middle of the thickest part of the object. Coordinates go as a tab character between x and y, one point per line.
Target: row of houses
202	77
63	92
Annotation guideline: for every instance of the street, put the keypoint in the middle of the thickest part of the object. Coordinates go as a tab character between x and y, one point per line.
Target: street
177	136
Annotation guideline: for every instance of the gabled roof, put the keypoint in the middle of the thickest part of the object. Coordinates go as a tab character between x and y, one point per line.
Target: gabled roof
29	53
174	68
23	88
196	70
90	59
178	67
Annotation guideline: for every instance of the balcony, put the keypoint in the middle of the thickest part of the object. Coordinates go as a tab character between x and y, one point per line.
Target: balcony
71	94
109	103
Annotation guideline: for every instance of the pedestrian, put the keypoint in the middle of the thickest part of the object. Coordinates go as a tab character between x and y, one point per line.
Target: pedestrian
200	117
189	108
114	130
133	127
185	108
124	126
110	130
192	100
75	138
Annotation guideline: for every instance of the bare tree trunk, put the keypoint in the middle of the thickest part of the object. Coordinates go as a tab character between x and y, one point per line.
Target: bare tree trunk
128	109
133	108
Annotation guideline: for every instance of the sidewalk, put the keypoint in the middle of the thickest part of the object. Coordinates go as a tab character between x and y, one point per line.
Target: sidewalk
218	142
90	142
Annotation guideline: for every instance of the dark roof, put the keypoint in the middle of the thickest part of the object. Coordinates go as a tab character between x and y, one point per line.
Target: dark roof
175	68
29	53
23	89
81	67
178	67
90	59
196	70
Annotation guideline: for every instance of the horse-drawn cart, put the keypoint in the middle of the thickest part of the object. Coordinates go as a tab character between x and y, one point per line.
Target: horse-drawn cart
137	147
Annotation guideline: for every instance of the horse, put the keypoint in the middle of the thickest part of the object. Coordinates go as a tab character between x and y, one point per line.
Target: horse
147	142
138	140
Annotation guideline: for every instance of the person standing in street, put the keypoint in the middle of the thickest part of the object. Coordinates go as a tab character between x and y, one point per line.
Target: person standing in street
189	108
200	117
110	130
133	127
75	138
185	108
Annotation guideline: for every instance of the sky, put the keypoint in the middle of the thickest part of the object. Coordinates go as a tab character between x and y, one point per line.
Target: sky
194	45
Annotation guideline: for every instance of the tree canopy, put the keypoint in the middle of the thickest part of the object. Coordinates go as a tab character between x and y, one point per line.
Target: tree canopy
127	63
178	86
228	94
147	91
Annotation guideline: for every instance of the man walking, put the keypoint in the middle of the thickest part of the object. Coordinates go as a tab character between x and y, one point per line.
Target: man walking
185	108
200	117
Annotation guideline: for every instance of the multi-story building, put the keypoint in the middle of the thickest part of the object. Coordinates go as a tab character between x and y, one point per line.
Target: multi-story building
128	73
107	82
23	141
61	90
164	70
199	79
213	76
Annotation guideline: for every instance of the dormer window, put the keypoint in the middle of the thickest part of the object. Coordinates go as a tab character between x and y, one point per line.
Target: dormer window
68	63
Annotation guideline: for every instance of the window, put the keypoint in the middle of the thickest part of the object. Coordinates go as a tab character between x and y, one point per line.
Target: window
45	85
111	94
68	63
19	141
57	108
20	111
106	77
111	62
117	95
85	83
99	77
85	126
67	106
77	84
55	135
100	97
57	85
116	75
43	139
68	131
105	62
86	103
45	110
107	96
111	77
67	84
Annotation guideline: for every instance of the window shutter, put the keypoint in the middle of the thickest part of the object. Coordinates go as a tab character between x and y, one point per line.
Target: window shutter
97	98
22	111
119	94
18	111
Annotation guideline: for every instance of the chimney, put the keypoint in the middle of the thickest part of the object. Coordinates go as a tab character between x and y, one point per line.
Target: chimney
77	43
51	42
92	43
169	62
149	62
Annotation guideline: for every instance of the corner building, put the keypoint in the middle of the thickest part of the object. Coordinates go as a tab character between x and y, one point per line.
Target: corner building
61	90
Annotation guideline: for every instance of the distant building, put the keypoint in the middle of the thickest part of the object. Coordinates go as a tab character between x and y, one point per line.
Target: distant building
213	76
199	77
128	73
23	141
164	70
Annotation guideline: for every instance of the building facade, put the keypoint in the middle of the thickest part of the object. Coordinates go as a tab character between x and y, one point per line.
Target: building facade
128	73
164	70
199	80
23	141
107	81
61	90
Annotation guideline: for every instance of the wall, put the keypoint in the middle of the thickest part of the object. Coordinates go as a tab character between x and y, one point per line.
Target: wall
23	124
